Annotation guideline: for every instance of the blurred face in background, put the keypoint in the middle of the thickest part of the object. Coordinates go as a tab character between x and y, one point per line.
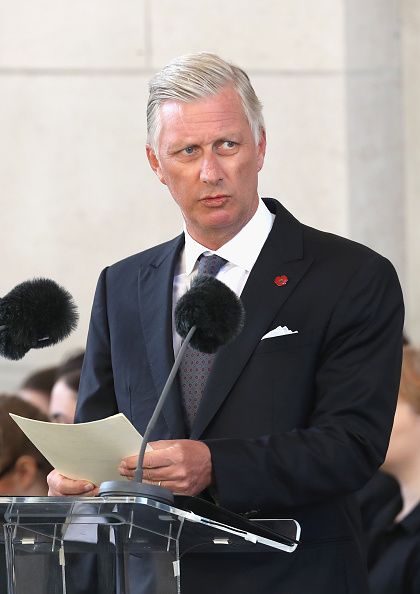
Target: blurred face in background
37	398
404	444
405	438
23	470
22	477
62	403
36	388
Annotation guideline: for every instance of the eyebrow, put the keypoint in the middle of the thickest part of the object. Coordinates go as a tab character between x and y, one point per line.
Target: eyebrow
233	136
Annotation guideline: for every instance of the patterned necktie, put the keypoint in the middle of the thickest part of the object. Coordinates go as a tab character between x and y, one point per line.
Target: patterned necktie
195	366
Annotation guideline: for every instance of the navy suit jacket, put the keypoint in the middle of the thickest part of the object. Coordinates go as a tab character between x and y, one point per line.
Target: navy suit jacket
294	423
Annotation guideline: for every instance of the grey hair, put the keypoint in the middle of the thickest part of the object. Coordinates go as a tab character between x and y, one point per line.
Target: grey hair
195	76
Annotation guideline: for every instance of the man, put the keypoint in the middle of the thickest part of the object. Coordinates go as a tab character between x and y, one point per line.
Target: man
288	425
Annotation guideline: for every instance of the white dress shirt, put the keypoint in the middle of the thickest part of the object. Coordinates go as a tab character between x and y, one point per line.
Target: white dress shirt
241	253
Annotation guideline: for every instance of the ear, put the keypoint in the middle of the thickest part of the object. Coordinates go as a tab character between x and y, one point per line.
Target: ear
26	472
261	149
154	163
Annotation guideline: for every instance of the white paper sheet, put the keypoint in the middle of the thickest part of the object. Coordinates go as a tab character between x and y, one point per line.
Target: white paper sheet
90	451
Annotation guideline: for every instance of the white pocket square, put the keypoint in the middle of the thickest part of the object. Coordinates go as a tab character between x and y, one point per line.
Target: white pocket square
279	331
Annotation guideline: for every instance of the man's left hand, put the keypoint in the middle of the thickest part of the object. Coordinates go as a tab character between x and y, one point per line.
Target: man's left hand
183	466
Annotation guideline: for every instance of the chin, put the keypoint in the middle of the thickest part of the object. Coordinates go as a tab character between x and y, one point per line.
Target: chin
388	467
218	222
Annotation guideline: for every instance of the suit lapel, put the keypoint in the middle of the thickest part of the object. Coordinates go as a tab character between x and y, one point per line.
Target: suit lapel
282	254
155	289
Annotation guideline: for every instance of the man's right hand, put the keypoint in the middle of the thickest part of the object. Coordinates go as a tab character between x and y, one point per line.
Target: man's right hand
59	485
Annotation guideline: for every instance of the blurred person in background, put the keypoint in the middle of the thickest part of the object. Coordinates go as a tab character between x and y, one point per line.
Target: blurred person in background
394	534
23	472
23	469
71	363
66	387
374	495
36	388
64	397
379	489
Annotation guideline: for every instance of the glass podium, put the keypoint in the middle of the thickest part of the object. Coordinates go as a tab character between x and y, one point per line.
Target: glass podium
120	545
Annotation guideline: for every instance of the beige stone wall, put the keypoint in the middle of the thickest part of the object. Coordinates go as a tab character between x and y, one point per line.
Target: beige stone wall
76	191
411	102
376	214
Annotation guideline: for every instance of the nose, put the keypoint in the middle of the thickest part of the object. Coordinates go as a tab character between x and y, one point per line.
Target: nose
211	171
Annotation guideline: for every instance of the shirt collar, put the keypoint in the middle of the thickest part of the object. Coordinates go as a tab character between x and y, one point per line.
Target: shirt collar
242	250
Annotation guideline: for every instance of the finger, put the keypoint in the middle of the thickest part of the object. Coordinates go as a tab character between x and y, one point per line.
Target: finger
170	485
126	471
155	475
60	485
86	490
162	444
159	458
173	474
70	487
149	474
129	462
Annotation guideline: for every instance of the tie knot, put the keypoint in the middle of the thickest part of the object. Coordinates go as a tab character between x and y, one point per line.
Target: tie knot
210	264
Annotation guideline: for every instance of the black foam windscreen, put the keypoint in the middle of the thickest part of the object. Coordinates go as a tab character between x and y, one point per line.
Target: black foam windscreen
214	309
35	314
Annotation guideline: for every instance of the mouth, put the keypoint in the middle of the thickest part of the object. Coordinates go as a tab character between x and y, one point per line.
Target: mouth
216	200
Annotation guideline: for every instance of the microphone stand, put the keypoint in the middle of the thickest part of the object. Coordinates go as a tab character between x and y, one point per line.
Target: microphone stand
136	487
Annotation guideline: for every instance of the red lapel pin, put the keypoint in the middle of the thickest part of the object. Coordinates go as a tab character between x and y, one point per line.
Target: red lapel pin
281	280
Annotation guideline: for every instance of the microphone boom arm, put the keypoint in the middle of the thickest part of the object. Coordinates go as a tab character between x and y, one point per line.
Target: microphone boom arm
138	477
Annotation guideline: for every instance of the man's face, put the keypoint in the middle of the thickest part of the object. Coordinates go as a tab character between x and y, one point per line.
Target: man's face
208	158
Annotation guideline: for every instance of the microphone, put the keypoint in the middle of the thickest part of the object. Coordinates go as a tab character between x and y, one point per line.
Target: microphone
215	311
35	314
207	316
